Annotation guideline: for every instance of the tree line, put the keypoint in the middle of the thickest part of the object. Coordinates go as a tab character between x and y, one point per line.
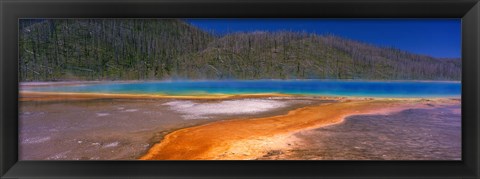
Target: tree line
159	49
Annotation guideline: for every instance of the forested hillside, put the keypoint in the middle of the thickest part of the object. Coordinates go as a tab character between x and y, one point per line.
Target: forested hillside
105	49
122	49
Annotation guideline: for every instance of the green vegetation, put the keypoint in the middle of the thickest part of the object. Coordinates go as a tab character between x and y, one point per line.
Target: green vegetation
157	49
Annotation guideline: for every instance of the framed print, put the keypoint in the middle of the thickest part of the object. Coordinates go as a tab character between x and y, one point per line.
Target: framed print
240	89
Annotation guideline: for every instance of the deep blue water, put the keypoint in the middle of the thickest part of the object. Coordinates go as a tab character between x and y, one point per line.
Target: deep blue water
303	87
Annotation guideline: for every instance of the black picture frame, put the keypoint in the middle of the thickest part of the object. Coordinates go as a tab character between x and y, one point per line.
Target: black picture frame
12	10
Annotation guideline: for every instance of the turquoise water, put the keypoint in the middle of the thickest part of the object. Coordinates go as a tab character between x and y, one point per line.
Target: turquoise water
296	87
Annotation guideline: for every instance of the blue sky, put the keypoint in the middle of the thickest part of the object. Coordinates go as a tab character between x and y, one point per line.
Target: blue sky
433	37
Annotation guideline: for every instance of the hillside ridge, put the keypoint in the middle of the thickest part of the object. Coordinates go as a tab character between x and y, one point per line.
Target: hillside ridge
170	49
